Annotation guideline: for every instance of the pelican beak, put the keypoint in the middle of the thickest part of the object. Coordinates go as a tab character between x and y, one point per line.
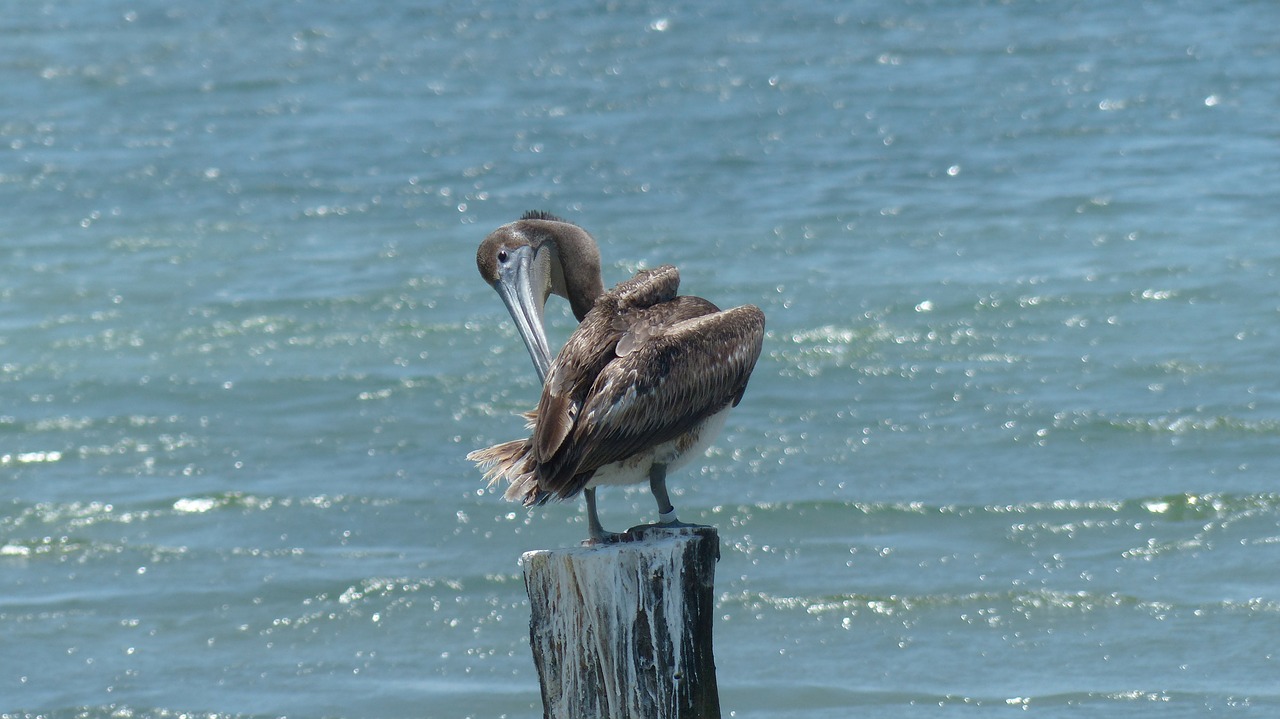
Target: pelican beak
523	284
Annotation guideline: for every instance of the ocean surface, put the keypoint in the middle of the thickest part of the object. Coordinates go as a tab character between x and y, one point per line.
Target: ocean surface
1013	443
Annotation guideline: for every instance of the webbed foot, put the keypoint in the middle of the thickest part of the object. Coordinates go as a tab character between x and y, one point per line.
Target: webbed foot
602	538
640	532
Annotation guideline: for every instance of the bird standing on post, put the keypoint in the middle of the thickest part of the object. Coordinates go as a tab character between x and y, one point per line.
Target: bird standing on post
640	388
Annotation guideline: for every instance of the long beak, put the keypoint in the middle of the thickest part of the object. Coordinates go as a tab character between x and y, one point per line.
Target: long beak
521	286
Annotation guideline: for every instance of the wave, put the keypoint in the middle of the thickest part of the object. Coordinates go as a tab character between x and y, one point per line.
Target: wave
789	698
896	604
76	515
1175	507
1173	423
124	711
56	530
1014	601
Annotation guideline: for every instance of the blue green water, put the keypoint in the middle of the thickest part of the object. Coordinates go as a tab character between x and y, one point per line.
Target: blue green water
1012	442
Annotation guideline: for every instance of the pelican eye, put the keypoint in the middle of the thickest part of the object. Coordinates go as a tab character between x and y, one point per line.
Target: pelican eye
502	256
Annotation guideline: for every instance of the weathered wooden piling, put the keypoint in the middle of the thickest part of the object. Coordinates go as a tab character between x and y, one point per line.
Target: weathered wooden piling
623	631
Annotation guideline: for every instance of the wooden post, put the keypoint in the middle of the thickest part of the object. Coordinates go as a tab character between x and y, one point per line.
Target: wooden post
623	631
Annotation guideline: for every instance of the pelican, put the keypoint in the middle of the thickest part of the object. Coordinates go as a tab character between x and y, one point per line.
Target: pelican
640	388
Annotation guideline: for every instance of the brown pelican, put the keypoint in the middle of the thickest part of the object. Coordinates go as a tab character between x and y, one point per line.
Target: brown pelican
640	388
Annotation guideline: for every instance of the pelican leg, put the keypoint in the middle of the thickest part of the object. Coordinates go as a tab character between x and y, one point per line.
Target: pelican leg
666	511
598	535
658	485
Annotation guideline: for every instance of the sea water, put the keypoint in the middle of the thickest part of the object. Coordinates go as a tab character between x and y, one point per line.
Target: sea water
1013	442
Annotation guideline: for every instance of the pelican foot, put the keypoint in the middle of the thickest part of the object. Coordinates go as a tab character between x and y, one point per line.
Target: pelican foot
604	538
642	531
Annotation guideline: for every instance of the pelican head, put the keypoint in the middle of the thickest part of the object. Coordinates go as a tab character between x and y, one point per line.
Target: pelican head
532	258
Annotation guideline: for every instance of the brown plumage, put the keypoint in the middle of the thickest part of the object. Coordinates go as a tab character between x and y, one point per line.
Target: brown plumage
632	392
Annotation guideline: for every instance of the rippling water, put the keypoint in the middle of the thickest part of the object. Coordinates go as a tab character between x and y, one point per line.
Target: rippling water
1012	442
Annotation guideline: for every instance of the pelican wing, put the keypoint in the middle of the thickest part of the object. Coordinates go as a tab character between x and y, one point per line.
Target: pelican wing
667	384
618	315
587	351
